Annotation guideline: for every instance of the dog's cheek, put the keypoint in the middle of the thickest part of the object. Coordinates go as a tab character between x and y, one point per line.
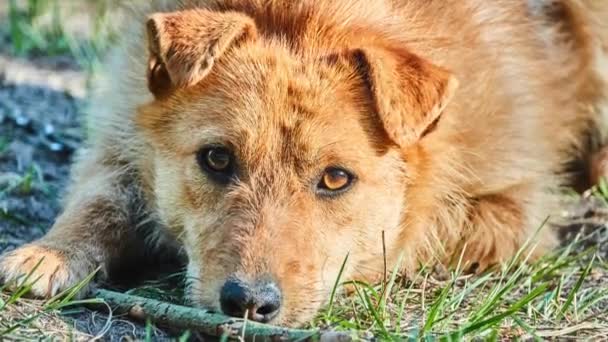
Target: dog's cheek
378	217
305	289
168	193
212	257
191	210
204	280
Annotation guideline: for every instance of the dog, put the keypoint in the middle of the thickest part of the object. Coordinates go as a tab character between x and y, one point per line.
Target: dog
269	141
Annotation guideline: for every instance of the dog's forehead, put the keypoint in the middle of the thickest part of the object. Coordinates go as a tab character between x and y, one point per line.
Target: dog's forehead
276	101
282	86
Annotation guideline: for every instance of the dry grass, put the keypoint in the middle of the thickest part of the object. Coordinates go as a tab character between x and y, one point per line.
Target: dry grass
29	321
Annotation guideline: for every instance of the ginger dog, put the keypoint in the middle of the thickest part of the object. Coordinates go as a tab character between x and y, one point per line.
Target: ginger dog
268	140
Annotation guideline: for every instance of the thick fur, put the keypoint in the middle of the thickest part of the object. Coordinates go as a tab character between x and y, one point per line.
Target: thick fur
458	118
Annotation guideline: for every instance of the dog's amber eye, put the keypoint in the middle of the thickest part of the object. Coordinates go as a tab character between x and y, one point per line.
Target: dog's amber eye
217	159
218	162
335	180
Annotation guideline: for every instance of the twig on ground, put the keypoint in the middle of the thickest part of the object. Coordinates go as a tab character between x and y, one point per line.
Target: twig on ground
209	323
569	330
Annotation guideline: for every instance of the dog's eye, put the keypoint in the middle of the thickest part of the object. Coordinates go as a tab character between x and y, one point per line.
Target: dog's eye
335	180
218	162
218	159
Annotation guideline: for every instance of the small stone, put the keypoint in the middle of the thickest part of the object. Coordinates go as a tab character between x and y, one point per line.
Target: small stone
55	147
49	129
22	121
137	312
441	273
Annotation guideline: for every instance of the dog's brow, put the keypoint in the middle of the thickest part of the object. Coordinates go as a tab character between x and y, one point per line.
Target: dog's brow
209	135
326	151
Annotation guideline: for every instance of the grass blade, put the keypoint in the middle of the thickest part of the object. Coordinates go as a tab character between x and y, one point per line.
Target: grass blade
335	288
577	287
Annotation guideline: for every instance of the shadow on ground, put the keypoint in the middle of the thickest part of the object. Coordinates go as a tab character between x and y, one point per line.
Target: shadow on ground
40	130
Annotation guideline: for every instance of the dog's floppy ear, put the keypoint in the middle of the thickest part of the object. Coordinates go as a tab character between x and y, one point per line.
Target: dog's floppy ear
409	92
183	45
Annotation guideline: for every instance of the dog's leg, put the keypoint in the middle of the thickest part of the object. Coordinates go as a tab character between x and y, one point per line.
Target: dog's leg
501	225
95	227
599	159
599	166
588	23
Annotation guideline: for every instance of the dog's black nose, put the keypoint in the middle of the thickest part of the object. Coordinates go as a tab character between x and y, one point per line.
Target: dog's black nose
261	300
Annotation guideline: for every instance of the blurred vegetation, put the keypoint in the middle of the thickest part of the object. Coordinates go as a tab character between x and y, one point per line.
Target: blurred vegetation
37	27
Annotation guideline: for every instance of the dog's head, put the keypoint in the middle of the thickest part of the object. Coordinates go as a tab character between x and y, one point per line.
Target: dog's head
273	166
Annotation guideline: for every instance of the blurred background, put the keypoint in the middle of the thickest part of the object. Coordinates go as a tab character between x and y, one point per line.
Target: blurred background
49	52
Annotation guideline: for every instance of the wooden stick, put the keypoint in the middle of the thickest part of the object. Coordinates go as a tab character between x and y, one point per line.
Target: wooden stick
209	323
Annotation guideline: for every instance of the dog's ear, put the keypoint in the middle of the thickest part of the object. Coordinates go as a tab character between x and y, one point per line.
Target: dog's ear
408	91
183	45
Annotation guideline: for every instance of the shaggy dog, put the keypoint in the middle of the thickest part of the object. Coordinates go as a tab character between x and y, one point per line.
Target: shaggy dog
266	140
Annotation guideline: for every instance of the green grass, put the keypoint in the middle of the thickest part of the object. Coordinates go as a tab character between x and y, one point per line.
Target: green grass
26	34
23	184
26	319
36	27
528	300
14	184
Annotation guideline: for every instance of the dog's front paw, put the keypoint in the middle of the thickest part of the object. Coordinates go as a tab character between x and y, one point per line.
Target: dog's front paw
49	271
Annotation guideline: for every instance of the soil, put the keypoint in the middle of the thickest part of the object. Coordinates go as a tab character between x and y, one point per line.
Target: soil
41	105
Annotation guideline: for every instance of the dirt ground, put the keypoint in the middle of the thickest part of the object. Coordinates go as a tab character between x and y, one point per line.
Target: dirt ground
41	103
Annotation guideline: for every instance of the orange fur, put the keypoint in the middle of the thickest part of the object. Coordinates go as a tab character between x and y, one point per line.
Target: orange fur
456	117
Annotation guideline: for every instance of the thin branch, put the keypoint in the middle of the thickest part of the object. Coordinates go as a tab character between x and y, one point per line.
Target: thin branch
206	322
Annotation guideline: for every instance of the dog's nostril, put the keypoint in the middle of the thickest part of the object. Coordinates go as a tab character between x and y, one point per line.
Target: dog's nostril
261	302
268	299
235	298
267	309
